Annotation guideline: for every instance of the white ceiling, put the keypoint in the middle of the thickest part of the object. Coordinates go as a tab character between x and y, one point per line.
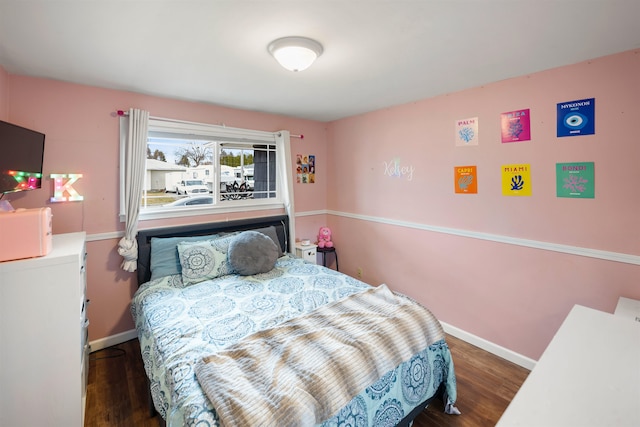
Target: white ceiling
377	53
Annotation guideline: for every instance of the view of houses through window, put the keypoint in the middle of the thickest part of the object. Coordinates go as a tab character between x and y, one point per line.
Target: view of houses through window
187	172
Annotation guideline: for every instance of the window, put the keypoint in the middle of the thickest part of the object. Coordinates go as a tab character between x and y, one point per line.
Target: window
194	169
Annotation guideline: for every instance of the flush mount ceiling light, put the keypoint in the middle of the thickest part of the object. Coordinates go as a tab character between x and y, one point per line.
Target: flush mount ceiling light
295	53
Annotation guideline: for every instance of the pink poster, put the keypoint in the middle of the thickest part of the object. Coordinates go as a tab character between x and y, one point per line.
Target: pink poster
516	126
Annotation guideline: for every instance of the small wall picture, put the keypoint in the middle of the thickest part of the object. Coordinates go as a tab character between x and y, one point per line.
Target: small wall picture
467	132
576	118
515	126
516	180
575	180
305	168
465	179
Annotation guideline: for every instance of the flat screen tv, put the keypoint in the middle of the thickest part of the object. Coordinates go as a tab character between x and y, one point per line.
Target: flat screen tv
21	155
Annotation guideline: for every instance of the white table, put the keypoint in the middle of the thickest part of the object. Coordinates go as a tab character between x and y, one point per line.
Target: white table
589	375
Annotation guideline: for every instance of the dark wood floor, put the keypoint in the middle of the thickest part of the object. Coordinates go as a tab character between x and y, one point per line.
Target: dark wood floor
117	396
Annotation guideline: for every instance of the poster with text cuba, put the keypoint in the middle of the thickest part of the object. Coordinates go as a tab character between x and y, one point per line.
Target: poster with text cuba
516	180
575	180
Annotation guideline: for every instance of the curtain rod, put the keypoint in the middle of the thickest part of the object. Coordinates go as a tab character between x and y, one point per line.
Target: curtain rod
122	113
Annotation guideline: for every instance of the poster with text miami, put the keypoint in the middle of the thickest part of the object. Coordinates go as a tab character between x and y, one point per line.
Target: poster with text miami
516	180
515	126
576	118
575	180
467	132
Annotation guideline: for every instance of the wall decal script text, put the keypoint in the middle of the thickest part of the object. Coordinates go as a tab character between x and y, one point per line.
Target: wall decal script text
394	168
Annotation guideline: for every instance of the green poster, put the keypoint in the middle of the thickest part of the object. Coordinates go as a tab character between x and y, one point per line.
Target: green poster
575	180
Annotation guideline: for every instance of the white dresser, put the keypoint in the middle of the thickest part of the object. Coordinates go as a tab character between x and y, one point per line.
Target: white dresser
589	376
629	308
43	337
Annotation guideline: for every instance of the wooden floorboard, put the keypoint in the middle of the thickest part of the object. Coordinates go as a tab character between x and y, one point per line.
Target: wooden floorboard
486	385
116	390
117	394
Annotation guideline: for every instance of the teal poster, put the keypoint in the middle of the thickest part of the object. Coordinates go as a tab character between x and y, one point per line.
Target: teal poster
575	180
577	118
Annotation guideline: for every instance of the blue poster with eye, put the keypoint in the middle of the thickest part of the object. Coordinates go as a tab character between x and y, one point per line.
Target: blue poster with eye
576	118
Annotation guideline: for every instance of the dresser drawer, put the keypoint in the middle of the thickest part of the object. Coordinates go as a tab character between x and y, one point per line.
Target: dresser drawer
83	278
84	333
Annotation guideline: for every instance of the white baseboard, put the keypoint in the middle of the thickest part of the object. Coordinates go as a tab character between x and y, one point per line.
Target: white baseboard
116	339
492	348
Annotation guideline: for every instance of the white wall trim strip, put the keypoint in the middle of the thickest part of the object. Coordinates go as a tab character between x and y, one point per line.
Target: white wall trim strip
492	348
112	340
105	236
311	213
556	247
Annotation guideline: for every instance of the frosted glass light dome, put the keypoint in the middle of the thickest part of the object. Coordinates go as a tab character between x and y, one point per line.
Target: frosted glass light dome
295	53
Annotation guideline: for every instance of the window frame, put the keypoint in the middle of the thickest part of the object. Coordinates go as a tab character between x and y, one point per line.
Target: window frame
159	127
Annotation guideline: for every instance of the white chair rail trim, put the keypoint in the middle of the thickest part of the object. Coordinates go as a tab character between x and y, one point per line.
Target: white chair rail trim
555	247
548	246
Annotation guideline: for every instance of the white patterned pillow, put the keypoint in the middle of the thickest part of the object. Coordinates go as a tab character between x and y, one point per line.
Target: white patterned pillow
204	260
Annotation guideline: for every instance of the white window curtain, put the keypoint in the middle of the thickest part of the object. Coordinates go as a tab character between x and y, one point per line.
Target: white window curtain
286	178
137	124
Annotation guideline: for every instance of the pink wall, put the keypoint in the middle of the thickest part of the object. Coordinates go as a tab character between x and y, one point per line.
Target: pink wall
4	77
82	137
510	295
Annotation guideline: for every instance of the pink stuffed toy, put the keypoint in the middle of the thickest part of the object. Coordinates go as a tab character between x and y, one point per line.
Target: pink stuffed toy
324	238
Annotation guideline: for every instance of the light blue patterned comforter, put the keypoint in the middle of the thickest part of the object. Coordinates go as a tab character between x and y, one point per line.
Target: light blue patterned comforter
178	325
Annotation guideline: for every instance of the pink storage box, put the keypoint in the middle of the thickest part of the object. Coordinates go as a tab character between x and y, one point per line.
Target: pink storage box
25	233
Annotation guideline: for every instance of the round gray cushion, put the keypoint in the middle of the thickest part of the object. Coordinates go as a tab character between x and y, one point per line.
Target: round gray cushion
251	252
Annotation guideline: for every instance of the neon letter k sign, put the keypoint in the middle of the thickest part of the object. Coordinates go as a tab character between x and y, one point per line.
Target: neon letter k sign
60	187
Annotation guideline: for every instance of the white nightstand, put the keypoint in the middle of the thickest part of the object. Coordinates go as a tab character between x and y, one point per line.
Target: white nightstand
307	252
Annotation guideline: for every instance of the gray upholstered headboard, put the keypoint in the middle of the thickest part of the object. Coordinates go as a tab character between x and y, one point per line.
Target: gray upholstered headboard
280	222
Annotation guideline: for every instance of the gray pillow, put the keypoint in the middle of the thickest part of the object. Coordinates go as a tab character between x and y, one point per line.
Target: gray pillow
271	232
267	231
252	252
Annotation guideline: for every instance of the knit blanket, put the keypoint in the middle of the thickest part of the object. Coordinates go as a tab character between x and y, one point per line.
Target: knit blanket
302	371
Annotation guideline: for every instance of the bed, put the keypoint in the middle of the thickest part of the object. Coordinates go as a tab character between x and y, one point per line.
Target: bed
284	345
